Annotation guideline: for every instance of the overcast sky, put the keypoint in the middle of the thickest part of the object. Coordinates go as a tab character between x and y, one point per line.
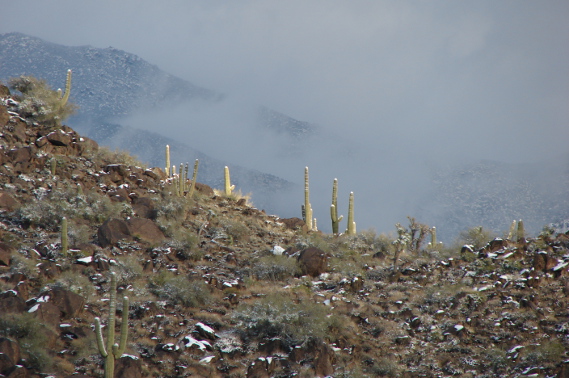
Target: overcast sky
453	80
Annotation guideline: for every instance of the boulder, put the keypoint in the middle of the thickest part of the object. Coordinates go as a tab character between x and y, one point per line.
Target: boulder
11	302
144	207
113	230
18	371
117	172
20	155
9	354
5	252
324	360
146	230
313	261
204	189
59	138
8	202
69	303
47	313
4	116
293	223
128	367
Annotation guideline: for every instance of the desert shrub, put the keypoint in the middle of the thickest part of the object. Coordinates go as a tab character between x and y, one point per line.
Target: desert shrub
22	264
274	268
478	237
551	351
31	335
39	102
76	282
179	289
171	213
128	269
235	230
92	206
118	156
277	315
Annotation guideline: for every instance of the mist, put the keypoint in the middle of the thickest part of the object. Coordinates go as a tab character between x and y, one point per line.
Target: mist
399	90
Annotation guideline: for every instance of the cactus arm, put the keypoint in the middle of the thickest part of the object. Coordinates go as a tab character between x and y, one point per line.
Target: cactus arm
194	177
118	349
112	313
512	230
100	341
65	96
521	232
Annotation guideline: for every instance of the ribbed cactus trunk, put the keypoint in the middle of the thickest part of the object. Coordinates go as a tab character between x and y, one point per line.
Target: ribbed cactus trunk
65	96
194	178
351	230
167	161
334	209
228	187
64	239
307	208
512	230
112	350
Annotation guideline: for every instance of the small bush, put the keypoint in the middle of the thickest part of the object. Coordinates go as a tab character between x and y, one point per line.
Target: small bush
47	213
276	315
75	282
274	268
31	335
39	102
179	290
476	236
117	156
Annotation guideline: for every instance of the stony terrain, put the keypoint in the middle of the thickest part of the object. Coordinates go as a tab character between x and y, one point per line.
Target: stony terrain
218	288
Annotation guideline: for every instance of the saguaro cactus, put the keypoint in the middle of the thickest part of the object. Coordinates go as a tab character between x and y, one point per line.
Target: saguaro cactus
65	96
521	232
228	187
167	160
307	208
334	209
112	350
194	177
64	240
512	230
351	230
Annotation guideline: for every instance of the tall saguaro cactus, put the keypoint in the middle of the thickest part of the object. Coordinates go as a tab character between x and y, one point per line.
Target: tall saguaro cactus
112	350
228	187
65	96
512	230
167	160
351	230
194	177
334	209
307	208
64	239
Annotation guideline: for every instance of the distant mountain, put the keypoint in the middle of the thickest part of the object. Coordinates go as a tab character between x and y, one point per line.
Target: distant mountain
110	84
493	194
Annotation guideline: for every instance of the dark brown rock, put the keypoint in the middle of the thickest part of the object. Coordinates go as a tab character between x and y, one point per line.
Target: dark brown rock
11	349
146	230
59	138
50	269
313	261
6	363
204	189
4	116
293	223
5	253
47	313
69	303
324	360
128	367
144	207
11	302
18	371
117	172
8	202
4	91
20	155
155	173
112	231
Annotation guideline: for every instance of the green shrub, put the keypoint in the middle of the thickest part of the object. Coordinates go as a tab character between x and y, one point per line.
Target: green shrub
32	337
179	289
39	102
475	236
47	213
277	315
274	268
76	282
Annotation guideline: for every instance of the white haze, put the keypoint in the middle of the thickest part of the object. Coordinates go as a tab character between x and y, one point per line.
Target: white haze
403	85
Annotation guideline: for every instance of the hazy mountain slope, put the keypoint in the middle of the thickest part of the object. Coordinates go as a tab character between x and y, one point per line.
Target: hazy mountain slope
110	84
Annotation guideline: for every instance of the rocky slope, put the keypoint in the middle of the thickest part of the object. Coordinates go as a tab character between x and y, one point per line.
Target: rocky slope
218	288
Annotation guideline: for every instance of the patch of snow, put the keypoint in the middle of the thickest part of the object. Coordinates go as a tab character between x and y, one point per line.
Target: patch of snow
207	360
278	250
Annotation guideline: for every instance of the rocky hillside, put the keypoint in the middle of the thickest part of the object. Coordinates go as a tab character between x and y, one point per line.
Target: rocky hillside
218	288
